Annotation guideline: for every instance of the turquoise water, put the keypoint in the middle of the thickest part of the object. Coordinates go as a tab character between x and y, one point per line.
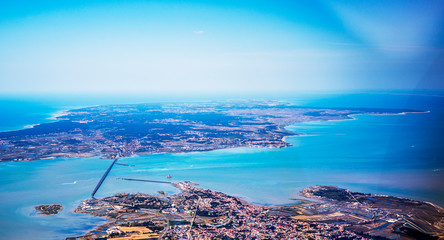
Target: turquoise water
392	154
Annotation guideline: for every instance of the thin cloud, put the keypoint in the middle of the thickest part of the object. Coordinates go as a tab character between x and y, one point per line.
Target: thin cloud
198	32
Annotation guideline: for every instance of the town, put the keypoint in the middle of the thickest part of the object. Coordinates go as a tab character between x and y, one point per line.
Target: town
197	213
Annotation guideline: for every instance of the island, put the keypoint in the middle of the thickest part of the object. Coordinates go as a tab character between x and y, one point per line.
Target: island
113	131
326	212
51	209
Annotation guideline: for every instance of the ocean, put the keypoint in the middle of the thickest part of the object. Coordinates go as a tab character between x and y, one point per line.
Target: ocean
400	155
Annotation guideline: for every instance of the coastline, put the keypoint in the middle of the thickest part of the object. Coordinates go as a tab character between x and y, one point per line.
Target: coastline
60	113
324	205
217	188
351	117
52	117
55	117
238	150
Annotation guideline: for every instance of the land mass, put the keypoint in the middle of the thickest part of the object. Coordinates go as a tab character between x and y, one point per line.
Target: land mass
123	130
196	213
51	209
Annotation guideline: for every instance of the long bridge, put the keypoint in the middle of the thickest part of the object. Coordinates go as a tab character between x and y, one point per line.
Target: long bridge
144	180
103	178
128	179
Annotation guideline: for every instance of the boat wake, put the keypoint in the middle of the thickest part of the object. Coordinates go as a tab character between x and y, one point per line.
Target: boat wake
75	182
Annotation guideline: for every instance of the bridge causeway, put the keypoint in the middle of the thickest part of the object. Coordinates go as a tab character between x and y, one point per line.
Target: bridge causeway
103	178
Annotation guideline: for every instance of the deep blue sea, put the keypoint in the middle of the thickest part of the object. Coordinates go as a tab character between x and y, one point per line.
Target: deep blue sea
401	155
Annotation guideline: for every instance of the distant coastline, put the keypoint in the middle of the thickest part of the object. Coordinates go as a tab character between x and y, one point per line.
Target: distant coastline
139	129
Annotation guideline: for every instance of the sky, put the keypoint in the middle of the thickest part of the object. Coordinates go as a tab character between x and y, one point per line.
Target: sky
78	46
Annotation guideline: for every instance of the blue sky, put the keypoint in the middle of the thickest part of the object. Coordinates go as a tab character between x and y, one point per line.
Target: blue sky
219	46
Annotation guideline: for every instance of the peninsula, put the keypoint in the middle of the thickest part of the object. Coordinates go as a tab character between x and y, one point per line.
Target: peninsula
125	130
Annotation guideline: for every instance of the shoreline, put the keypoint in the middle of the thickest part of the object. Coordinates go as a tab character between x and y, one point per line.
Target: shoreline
292	133
261	148
240	194
385	209
352	118
52	117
